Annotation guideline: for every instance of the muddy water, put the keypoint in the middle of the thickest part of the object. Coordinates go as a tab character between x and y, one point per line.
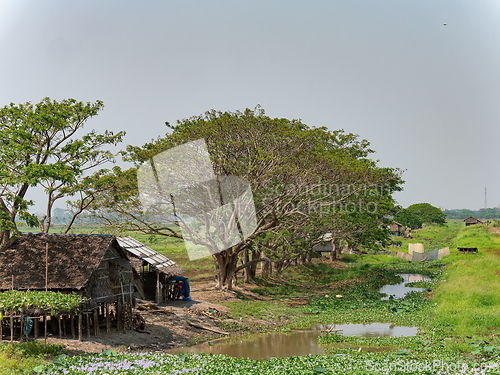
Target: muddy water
400	290
294	343
301	343
271	345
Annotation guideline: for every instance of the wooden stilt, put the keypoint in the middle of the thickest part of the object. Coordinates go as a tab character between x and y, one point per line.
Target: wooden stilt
12	314
63	318
21	321
36	331
79	327
96	322
1	333
119	316
72	322
108	325
45	330
88	324
60	328
11	326
157	294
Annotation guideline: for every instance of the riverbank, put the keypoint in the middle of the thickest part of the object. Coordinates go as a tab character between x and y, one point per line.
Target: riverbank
456	312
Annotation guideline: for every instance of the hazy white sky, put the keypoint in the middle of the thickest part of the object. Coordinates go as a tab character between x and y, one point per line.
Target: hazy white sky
425	95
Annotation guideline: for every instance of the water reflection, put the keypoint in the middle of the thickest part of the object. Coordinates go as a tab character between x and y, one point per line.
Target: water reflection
400	290
294	344
373	330
271	345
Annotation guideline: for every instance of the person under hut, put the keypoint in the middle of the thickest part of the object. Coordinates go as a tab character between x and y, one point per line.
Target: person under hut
139	323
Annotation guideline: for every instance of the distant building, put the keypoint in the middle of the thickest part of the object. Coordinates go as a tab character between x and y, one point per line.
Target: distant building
396	228
471	220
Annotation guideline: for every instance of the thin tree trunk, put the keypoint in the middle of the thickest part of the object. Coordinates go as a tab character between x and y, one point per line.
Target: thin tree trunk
252	269
246	271
333	253
302	259
265	266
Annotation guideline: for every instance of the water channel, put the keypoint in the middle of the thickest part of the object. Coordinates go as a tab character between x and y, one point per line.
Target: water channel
300	343
400	290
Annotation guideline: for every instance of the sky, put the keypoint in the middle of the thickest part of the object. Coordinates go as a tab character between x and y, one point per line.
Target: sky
425	95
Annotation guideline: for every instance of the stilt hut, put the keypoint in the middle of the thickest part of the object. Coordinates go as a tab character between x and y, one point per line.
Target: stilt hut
471	220
152	271
93	266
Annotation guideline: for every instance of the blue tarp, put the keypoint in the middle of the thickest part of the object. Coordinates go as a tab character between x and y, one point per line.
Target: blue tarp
185	288
428	256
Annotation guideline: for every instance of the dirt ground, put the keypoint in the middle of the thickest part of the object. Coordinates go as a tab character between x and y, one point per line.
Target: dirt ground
171	327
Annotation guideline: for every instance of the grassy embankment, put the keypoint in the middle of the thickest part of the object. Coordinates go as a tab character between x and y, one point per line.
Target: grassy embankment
465	303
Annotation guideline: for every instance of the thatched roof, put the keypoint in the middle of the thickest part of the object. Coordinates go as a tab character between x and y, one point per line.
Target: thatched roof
472	220
71	260
138	251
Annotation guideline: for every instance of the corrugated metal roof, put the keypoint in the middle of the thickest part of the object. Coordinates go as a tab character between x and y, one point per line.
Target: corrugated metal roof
141	251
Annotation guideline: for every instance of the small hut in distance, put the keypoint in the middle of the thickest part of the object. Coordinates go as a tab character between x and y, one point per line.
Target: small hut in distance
396	228
471	220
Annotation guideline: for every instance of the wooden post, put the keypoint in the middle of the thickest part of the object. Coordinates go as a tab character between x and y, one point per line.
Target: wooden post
79	327
12	313
45	332
72	322
88	324
11	326
1	333
96	322
37	327
157	296
21	335
119	316
108	327
60	328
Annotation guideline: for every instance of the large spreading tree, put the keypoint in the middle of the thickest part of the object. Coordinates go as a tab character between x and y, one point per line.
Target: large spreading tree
299	176
42	146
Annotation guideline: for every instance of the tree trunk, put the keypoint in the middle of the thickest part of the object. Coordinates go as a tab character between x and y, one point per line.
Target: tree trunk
226	262
252	270
338	249
302	259
333	253
309	256
265	266
246	271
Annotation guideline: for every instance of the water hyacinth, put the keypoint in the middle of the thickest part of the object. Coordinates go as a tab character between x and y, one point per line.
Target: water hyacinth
163	363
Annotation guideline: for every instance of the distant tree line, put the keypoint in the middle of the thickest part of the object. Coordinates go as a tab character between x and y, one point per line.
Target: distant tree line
483	213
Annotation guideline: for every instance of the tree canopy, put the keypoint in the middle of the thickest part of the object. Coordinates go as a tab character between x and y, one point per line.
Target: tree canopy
41	146
305	181
420	213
